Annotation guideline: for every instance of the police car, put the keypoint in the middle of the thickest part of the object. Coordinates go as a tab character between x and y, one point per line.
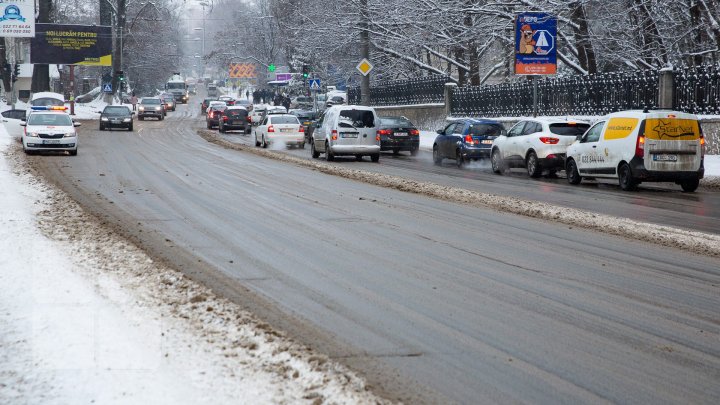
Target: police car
49	128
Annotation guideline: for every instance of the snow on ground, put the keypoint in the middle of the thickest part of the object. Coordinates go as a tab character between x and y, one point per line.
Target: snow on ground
87	317
712	165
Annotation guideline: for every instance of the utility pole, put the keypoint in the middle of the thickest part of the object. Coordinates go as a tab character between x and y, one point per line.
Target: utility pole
364	51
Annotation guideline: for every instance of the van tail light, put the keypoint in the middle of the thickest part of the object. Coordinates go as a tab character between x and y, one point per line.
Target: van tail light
302	129
702	146
640	146
333	135
377	136
271	128
384	132
549	140
414	132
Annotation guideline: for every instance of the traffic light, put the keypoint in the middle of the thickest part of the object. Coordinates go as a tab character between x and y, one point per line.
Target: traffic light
305	72
16	72
271	68
120	75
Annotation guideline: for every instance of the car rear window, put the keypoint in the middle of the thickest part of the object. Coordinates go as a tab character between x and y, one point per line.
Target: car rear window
284	120
486	129
356	118
236	113
396	122
569	128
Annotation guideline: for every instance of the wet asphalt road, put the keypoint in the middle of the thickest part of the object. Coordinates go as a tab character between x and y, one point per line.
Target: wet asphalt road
432	301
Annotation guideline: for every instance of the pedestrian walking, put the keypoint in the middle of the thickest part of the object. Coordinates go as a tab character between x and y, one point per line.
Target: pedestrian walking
133	101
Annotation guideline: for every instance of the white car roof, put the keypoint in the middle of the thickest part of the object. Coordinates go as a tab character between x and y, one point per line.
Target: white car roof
48	94
556	120
236	107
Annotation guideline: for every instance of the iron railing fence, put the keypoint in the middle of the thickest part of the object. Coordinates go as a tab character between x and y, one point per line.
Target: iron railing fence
423	90
597	94
697	89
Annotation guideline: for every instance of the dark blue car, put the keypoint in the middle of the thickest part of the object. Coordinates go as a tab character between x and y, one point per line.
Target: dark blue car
465	140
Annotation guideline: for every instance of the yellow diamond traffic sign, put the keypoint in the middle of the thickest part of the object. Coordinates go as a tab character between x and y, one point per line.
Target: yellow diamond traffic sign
364	67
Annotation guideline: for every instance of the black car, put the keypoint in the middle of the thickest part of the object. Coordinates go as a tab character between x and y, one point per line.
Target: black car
234	118
213	116
151	107
206	103
465	140
307	119
116	116
398	134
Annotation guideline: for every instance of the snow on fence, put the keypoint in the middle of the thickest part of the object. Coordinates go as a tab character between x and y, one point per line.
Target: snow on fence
422	90
697	90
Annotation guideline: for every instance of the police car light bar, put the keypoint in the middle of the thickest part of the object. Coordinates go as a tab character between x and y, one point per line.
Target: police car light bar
48	107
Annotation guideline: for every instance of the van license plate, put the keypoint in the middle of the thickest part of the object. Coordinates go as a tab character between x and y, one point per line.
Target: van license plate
349	135
51	142
665	158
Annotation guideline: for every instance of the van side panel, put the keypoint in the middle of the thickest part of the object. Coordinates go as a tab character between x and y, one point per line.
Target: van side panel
620	128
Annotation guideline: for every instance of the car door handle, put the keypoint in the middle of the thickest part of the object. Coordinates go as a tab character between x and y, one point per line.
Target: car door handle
594	146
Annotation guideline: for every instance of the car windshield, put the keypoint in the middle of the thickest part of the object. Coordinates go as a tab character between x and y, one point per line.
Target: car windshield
236	113
176	86
357	119
397	122
116	111
50	119
569	128
486	129
284	119
150	101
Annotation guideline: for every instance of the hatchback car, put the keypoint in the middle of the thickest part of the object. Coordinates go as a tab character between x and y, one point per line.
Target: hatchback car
234	118
536	144
347	130
49	128
398	134
116	116
466	140
280	128
212	119
151	107
169	101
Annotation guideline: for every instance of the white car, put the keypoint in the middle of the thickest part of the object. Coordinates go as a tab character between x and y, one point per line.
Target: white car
215	103
257	114
280	128
49	129
12	120
347	130
536	144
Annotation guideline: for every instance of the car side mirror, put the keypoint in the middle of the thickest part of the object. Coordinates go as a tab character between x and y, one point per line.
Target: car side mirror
23	123
440	131
76	124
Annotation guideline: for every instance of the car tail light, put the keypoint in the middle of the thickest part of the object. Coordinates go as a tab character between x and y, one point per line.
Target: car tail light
248	119
225	118
640	146
271	128
469	140
384	132
702	145
549	140
333	135
414	132
302	129
212	114
377	137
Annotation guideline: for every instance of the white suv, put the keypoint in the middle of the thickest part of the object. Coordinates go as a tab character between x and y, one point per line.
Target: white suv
49	128
536	144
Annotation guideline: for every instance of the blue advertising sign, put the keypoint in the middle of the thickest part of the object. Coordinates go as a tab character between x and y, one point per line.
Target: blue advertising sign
535	44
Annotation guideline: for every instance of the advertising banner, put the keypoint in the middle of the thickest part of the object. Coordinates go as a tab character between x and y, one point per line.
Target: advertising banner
242	70
64	44
17	18
535	40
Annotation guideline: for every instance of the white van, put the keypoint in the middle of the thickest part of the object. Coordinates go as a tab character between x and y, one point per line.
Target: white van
347	130
637	146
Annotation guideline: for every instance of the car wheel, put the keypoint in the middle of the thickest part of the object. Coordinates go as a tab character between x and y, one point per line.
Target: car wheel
257	143
413	152
264	143
130	128
496	161
625	178
73	152
436	155
573	176
141	118
691	185
375	158
459	159
221	129
396	151
162	117
328	154
28	152
301	145
533	165
209	126
102	128
313	152
358	157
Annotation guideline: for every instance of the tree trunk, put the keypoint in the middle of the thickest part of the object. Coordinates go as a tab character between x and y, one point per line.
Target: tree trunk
586	54
5	77
120	20
41	72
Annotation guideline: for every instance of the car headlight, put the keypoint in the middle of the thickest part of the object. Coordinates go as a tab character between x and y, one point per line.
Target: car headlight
32	134
104	119
158	108
141	108
127	120
69	134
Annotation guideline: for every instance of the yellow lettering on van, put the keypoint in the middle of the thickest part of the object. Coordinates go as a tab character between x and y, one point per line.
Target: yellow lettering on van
619	128
672	129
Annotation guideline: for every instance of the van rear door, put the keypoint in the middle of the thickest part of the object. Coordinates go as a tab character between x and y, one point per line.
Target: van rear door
357	127
672	143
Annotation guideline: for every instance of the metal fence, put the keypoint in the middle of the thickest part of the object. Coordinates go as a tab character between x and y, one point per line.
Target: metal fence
697	89
422	90
577	95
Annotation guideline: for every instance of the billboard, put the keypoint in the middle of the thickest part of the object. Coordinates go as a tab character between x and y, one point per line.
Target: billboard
17	18
65	44
242	70
535	40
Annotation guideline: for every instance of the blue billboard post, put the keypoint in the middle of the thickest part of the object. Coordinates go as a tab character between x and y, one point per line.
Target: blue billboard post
535	48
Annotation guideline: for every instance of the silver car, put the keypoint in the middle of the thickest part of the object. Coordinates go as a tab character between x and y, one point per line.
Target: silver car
347	130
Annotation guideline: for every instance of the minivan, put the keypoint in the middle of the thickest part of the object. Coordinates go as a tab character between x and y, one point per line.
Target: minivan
347	130
636	146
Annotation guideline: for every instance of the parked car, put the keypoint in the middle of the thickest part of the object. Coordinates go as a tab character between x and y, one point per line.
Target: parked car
637	146
398	134
229	100
347	130
12	120
466	140
116	116
206	103
49	128
283	128
169	101
536	144
234	118
307	118
151	107
212	119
